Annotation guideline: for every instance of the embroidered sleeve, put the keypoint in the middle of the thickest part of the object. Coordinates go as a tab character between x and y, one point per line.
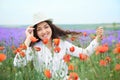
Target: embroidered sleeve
75	51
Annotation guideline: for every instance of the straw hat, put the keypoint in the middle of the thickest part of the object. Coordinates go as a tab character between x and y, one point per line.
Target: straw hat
39	17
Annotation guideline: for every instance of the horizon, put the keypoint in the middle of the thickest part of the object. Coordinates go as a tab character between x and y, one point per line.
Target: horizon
63	25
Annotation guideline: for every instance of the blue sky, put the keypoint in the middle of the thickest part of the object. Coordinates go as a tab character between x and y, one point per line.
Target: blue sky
61	11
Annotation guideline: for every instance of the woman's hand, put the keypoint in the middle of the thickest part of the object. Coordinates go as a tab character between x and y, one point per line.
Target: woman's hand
28	32
99	33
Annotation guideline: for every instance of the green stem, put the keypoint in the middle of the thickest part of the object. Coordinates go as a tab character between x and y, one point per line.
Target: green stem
96	75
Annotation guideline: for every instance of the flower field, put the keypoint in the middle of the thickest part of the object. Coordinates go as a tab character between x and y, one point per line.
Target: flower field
104	64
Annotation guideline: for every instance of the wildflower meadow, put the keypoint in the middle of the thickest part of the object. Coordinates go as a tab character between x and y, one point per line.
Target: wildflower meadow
103	64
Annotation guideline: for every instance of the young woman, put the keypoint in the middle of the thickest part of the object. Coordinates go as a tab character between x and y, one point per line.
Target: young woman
47	57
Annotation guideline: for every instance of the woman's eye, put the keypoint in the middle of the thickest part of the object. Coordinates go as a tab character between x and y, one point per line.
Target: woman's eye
38	29
46	26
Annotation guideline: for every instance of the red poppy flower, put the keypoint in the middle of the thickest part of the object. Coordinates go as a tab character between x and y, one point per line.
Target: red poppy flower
108	59
72	49
57	49
83	56
85	34
56	41
47	73
103	63
17	50
33	39
2	47
118	44
37	48
116	50
73	76
45	41
2	57
72	38
102	49
66	58
71	67
22	53
117	67
23	46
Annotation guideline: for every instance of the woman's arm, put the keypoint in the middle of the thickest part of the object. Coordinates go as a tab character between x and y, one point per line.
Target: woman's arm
78	50
91	47
29	33
22	61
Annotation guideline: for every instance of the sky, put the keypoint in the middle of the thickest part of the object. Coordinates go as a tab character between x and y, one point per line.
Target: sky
61	11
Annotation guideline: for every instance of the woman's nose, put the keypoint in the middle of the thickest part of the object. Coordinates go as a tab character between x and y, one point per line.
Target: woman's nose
43	31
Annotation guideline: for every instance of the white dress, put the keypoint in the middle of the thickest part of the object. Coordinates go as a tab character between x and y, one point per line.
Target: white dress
45	59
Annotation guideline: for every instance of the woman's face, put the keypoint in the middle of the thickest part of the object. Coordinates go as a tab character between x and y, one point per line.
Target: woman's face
44	31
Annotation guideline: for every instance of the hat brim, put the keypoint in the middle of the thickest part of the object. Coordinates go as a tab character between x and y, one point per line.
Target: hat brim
37	22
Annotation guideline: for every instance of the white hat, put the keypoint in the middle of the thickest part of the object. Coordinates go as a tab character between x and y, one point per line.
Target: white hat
39	17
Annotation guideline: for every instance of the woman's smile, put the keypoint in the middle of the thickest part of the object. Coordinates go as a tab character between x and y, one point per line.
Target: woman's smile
44	36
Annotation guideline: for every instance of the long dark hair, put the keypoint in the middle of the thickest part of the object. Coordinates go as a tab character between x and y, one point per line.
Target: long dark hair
56	32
